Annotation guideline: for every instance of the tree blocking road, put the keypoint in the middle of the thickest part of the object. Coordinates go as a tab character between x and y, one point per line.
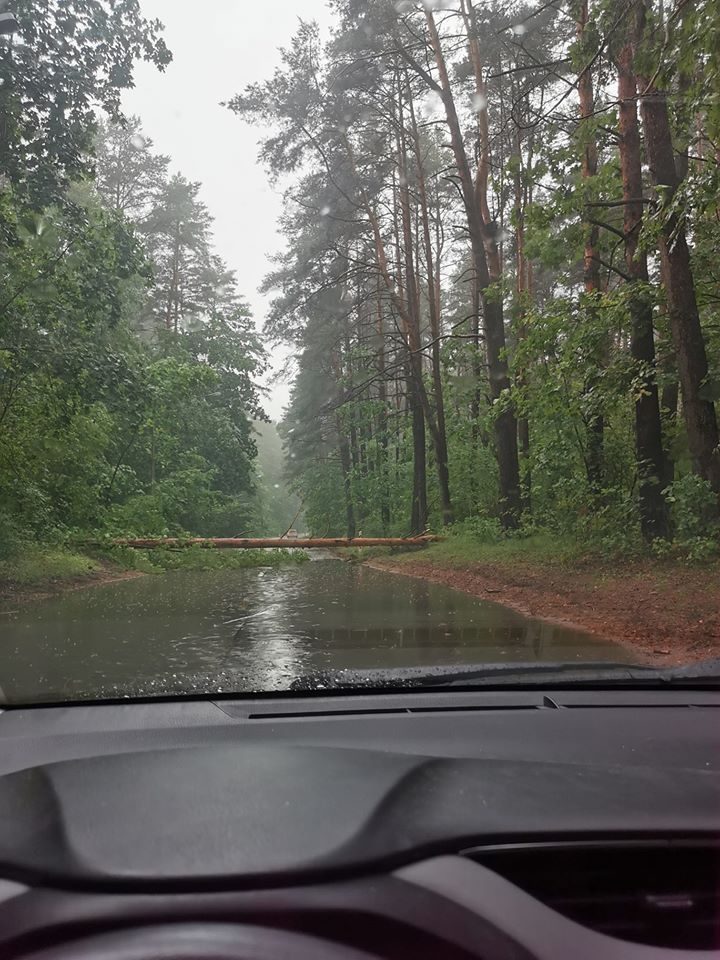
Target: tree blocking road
233	543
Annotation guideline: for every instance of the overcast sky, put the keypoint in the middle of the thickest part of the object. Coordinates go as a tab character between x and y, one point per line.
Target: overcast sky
218	47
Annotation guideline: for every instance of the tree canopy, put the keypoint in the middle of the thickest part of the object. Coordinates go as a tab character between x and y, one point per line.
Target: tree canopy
128	358
500	220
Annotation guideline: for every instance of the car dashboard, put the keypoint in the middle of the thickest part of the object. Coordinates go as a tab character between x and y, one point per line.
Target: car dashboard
455	824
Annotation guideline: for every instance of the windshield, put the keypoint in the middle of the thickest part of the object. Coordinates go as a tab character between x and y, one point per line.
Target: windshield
355	336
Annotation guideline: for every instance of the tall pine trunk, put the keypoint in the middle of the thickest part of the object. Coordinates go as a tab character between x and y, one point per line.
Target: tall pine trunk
433	296
383	418
595	421
649	451
684	316
510	504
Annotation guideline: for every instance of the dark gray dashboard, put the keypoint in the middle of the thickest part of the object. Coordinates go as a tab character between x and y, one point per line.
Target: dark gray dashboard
309	806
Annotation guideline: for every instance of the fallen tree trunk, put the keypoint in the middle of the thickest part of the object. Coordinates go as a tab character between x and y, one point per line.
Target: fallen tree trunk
234	543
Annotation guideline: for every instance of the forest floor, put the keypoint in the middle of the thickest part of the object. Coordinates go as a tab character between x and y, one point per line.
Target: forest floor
667	612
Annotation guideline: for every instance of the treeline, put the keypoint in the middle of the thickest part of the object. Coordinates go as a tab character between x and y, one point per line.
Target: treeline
127	358
500	277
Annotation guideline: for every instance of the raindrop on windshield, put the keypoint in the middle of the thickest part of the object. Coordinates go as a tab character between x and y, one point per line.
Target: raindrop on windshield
325	212
433	104
519	29
479	102
138	142
403	6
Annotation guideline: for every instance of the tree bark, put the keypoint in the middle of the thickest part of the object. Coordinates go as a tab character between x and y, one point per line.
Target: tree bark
346	467
684	316
649	450
263	543
591	263
523	290
433	295
401	296
510	505
383	418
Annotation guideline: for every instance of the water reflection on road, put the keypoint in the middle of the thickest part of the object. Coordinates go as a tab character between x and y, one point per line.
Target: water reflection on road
258	629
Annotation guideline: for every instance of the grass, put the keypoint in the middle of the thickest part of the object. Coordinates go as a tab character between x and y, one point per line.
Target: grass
602	557
463	549
538	548
36	563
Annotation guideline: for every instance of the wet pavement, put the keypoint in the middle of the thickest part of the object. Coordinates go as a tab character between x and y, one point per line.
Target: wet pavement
260	629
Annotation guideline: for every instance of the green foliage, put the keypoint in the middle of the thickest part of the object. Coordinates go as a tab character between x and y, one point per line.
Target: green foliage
694	514
203	558
482	529
129	361
126	393
69	57
35	563
12	537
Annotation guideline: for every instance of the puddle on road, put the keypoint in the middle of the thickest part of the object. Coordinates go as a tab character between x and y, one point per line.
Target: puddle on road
262	629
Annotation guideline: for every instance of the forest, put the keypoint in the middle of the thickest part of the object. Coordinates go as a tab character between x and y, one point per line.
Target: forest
500	277
129	362
497	285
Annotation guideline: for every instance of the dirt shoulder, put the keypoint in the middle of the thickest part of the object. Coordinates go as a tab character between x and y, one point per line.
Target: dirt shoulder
667	613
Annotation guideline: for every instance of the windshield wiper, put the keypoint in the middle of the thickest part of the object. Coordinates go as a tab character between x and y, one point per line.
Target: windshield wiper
603	674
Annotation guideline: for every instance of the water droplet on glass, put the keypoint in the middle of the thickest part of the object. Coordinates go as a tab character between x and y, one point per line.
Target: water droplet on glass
138	142
403	6
479	102
325	212
432	5
519	29
433	104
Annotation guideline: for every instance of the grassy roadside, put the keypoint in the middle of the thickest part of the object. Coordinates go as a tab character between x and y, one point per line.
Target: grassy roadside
460	551
666	609
38	570
541	550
